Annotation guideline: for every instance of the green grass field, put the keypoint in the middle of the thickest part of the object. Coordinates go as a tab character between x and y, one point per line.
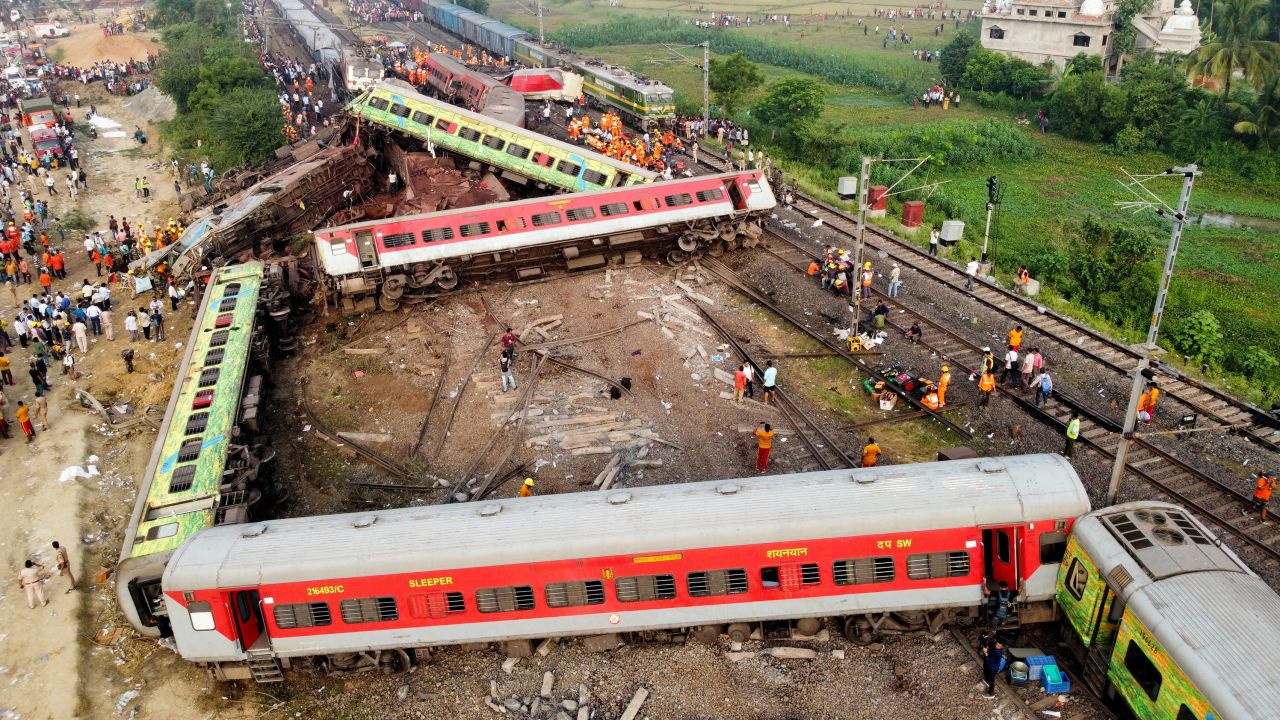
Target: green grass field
1229	270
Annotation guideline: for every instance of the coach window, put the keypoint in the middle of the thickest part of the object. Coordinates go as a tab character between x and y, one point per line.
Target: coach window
493	141
302	615
575	593
613	209
436	604
647	204
710	195
596	178
378	103
338	247
444	125
398	240
717	582
437	234
863	571
1144	672
645	587
575	214
568	168
474	229
931	566
518	151
422	118
1077	579
400	111
511	224
679	199
545	219
505	599
1185	713
364	610
1053	546
182	478
789	577
201	615
469	134
160	532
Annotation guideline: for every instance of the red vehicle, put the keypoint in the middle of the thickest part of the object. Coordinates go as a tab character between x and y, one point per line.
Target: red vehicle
881	550
579	231
473	90
45	141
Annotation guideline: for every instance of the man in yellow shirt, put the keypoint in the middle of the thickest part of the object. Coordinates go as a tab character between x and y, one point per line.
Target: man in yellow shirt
764	445
6	374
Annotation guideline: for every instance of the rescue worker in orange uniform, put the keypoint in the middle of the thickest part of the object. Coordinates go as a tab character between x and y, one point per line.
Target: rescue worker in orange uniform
986	386
1015	338
1266	482
526	490
943	383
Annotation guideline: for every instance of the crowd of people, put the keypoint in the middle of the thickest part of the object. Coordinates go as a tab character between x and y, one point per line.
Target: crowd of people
301	109
376	11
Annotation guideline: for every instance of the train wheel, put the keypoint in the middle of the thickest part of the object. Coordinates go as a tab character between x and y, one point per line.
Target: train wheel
687	243
858	630
394	286
448	280
394	662
388	304
675	257
707	634
808	626
717	249
739	632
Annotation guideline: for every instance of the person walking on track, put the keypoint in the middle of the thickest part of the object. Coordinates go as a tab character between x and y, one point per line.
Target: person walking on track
764	445
1073	434
1263	486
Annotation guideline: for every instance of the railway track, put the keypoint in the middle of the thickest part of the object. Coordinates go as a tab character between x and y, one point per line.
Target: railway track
1254	423
1209	496
821	445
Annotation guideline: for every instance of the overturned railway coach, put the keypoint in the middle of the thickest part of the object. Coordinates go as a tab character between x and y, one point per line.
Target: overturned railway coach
883	550
204	466
518	155
417	254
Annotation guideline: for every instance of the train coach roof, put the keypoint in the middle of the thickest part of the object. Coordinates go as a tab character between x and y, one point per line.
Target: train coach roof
962	493
1223	630
319	38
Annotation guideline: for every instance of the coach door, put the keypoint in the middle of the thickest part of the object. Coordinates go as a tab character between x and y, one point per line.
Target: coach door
365	248
1000	554
248	616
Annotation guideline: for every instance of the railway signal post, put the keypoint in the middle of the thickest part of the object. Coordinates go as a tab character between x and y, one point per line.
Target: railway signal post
1179	217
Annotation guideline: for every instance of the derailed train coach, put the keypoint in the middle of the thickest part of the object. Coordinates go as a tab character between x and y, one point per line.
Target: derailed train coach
400	257
878	550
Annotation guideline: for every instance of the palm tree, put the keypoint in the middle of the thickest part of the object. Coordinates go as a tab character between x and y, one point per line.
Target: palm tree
1264	120
1237	41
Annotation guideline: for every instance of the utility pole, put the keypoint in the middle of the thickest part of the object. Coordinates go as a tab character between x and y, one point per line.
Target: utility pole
864	202
706	84
541	40
1189	174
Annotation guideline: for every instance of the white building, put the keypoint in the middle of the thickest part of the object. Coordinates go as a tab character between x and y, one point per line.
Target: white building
1058	30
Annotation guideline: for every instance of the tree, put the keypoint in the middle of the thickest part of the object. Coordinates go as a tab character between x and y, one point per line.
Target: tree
1237	41
956	56
1199	337
218	77
1261	119
1024	80
1200	126
793	103
1124	33
986	71
211	14
1085	107
171	12
733	80
1083	63
246	126
1157	95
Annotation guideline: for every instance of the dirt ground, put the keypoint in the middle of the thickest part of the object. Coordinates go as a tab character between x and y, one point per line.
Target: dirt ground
86	45
53	663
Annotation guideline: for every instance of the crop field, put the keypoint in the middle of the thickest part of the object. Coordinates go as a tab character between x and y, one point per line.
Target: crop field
1229	259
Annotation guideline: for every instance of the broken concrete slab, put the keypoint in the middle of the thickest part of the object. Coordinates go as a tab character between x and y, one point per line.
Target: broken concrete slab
633	707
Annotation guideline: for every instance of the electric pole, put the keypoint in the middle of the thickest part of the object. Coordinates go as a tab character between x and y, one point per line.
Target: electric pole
541	40
706	84
1189	174
864	202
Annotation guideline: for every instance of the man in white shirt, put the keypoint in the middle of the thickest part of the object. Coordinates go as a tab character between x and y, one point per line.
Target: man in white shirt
1010	365
770	382
971	270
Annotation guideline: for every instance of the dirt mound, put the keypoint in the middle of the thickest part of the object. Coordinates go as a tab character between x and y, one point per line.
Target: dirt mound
86	45
152	105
